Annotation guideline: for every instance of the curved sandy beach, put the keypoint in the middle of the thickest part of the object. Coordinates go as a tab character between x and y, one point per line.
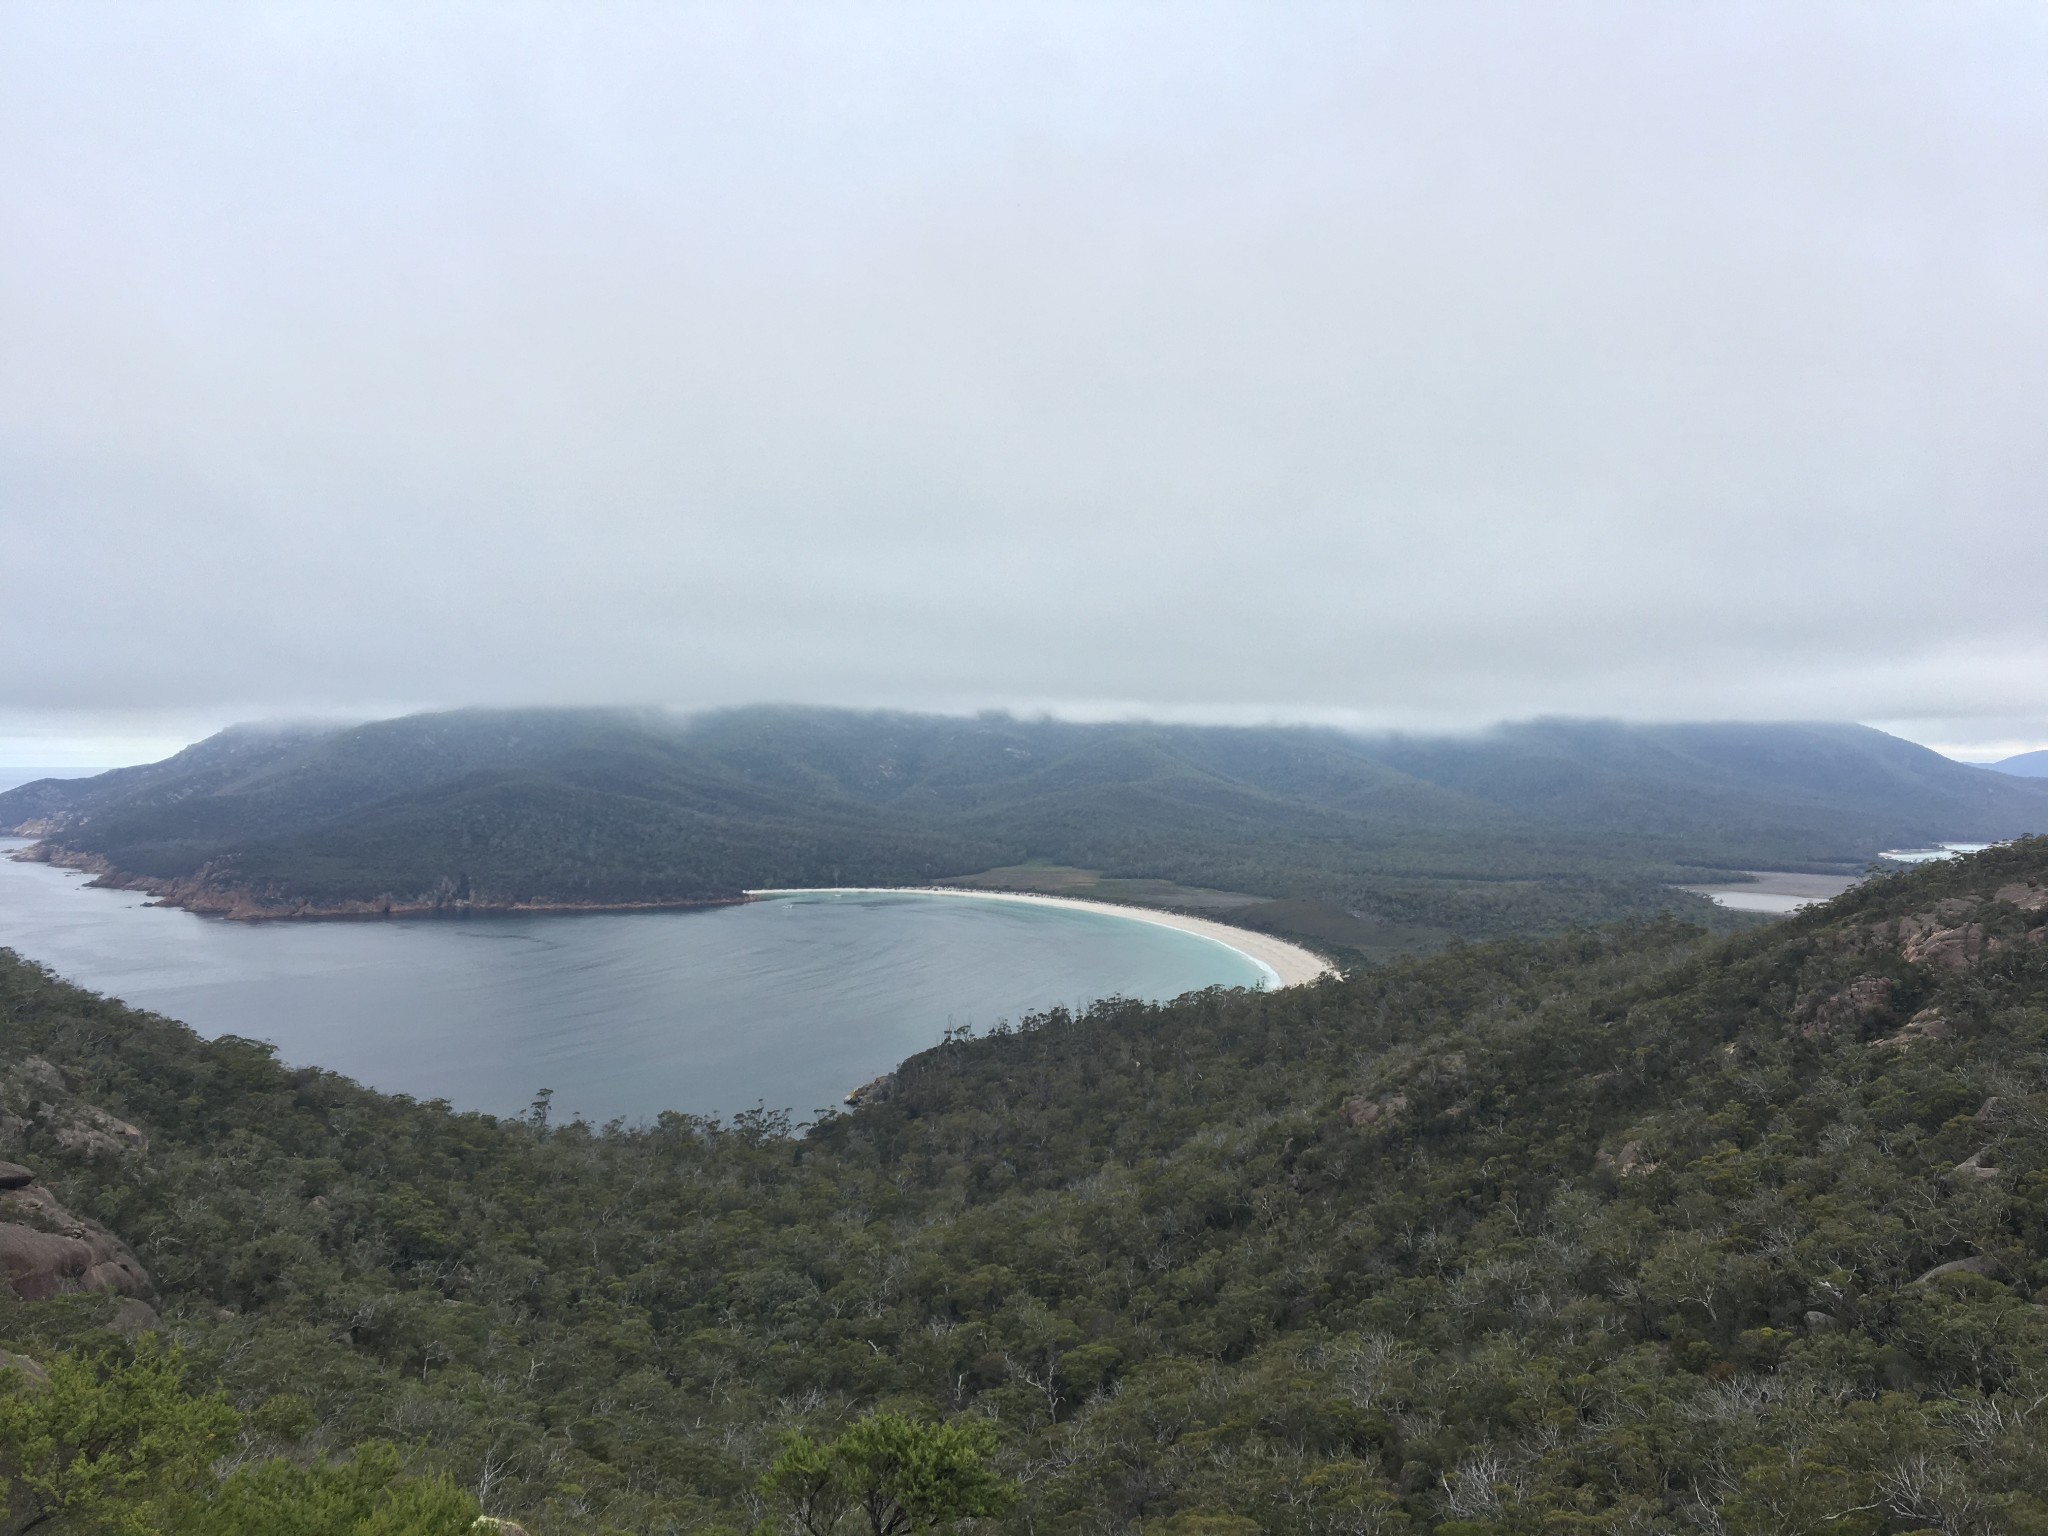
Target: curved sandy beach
1285	964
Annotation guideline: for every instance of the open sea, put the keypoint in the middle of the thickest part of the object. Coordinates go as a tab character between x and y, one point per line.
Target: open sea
789	1002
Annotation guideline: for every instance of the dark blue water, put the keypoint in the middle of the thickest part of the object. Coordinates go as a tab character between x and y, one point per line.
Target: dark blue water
790	1001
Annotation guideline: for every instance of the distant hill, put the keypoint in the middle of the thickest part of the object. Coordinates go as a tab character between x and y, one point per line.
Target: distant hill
1524	828
2028	765
11	778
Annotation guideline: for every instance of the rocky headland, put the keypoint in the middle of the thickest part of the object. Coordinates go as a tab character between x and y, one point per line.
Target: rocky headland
214	893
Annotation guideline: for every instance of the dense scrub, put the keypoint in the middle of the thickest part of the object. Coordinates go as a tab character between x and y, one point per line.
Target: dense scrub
1635	1230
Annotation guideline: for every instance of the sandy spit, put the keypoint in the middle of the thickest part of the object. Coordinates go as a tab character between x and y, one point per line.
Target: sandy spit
1774	891
1285	964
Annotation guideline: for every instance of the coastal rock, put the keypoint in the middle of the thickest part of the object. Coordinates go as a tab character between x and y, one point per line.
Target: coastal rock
879	1091
14	1176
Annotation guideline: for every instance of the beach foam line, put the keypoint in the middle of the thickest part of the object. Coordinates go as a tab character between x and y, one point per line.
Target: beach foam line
1285	964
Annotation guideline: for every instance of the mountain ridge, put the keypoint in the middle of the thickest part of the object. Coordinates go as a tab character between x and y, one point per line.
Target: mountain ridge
2025	765
1527	827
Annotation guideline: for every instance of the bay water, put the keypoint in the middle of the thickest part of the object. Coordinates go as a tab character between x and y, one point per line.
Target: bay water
788	1002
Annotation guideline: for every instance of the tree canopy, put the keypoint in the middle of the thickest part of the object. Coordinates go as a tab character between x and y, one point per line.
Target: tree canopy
1637	1230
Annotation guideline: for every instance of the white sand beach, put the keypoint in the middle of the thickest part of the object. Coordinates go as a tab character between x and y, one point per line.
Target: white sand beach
1286	965
1775	891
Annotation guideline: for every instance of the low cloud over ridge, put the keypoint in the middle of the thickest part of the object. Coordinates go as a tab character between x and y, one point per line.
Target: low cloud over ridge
1417	363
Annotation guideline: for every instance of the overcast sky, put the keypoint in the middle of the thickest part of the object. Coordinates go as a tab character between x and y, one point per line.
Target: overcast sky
1416	364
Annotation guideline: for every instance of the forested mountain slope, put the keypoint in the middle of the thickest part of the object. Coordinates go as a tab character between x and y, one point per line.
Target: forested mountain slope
1522	829
1633	1231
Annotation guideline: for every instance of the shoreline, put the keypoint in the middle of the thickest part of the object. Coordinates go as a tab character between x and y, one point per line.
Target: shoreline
233	906
1777	892
1285	963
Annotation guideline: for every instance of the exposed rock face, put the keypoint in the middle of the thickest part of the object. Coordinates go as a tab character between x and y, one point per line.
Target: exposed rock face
93	1131
1632	1161
2027	895
1364	1111
46	1251
880	1091
1973	1168
35	1073
1977	1264
1951	948
1927	1024
31	1370
37	1096
133	1315
1858	1001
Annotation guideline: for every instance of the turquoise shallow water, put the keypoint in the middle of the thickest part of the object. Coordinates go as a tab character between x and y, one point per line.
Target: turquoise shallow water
789	1002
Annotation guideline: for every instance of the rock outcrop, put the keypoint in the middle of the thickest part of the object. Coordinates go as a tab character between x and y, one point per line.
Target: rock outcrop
46	1251
1364	1111
32	1371
1862	999
879	1091
92	1131
1631	1162
1978	1264
1950	948
1927	1024
1973	1168
34	1095
2027	895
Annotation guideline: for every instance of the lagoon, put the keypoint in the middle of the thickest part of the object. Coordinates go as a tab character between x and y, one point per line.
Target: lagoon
789	1002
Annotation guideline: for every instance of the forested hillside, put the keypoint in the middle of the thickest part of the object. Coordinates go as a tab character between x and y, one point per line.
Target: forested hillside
1640	1230
1526	829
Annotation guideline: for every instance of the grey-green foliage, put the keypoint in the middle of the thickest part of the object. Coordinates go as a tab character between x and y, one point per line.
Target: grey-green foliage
362	1494
886	1474
96	1442
1630	1231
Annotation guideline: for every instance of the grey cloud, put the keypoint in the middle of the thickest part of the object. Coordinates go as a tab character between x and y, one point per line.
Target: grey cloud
1417	363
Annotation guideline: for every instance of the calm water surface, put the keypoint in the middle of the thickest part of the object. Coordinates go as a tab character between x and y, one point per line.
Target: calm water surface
791	1001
